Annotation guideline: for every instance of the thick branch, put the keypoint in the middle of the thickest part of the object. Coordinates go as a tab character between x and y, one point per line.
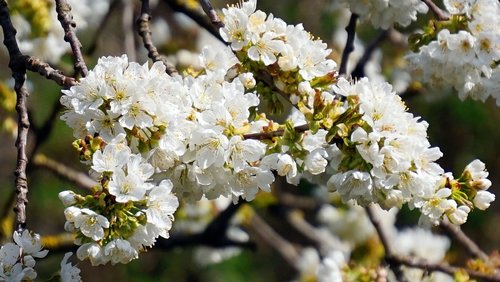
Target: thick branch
18	68
349	44
36	65
64	15
145	33
440	14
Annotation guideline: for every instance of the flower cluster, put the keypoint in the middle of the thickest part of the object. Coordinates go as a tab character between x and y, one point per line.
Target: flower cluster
126	213
152	139
396	164
385	13
463	52
17	260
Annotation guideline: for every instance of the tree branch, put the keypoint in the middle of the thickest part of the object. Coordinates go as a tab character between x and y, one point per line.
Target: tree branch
349	44
273	239
457	233
16	64
195	16
36	65
145	33
359	70
64	16
395	261
104	22
271	134
79	178
440	14
212	15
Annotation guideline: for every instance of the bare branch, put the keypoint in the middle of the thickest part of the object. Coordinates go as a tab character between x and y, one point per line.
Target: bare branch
462	238
64	16
395	261
214	234
36	65
440	14
212	15
359	70
79	178
16	64
145	33
92	46
267	233
271	134
349	44
200	19
451	270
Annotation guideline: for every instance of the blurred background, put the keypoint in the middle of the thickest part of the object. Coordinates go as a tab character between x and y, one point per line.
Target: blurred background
463	130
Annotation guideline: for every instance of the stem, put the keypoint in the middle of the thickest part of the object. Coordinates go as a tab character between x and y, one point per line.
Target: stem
349	44
16	64
145	33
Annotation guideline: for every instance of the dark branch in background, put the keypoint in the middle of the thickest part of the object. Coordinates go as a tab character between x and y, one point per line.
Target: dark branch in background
64	15
200	19
349	44
214	234
145	33
440	14
359	70
79	178
212	15
16	64
396	261
104	22
274	240
128	29
457	233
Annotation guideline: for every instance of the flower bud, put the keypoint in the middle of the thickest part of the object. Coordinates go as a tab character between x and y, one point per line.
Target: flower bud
68	198
459	216
483	199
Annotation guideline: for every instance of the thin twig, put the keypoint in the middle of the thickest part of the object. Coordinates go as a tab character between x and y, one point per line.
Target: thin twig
145	33
64	16
16	64
349	44
462	238
200	19
440	14
79	178
212	15
271	134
